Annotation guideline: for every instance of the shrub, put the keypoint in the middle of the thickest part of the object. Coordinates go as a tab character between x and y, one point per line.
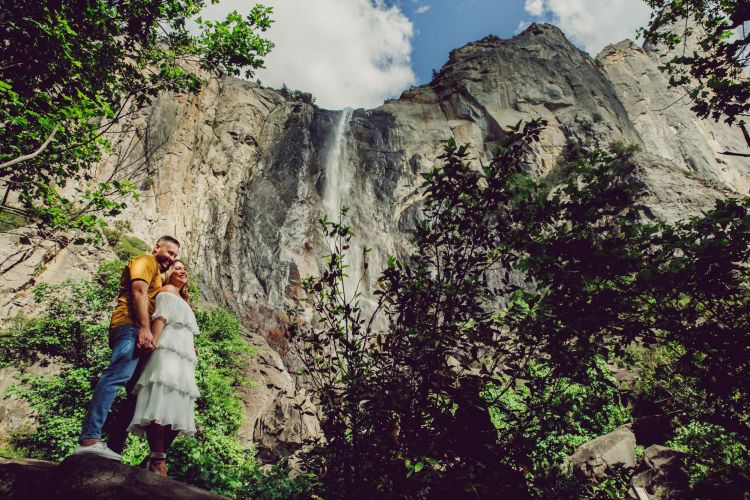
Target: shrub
574	413
516	292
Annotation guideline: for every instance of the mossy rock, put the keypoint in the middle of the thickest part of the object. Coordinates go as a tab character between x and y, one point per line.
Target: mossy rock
128	247
10	221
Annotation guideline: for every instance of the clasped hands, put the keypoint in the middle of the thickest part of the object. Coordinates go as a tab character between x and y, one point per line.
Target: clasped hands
145	340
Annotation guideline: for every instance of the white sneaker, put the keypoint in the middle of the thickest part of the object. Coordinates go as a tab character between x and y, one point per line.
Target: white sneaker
100	449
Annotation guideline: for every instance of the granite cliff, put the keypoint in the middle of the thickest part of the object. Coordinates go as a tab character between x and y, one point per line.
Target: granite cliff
241	174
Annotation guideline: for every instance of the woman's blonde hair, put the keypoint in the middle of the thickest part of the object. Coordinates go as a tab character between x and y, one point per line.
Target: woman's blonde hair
184	289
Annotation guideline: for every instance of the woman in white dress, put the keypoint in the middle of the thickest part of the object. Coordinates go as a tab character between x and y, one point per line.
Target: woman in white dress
166	389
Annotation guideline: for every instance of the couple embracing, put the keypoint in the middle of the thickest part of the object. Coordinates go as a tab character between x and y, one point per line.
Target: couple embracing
153	356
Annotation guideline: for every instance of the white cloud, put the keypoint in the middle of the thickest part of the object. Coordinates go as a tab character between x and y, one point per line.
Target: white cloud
422	9
535	7
347	53
592	24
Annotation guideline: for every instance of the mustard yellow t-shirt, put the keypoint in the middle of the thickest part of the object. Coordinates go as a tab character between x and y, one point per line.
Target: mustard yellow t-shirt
143	267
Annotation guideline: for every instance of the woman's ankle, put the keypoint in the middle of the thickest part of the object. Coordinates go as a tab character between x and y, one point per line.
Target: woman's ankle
158	466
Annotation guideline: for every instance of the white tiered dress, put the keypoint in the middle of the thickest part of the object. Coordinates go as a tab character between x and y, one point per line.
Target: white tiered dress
166	389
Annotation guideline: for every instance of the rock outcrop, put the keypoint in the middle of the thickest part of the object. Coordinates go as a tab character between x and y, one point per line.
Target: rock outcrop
242	174
662	474
88	478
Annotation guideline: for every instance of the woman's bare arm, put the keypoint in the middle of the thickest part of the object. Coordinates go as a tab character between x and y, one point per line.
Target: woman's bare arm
157	326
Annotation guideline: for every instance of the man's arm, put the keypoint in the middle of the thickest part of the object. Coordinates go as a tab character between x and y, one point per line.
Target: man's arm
139	289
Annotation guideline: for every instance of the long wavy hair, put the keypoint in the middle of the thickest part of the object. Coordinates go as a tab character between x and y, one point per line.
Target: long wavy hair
184	293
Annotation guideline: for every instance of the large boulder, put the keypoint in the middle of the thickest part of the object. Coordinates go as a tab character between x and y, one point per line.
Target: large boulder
594	460
664	477
88	477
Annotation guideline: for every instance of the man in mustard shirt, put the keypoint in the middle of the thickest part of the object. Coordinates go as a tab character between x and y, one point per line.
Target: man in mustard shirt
129	336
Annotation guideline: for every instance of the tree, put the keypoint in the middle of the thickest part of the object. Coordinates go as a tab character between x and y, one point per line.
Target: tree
70	71
518	292
712	69
696	284
508	277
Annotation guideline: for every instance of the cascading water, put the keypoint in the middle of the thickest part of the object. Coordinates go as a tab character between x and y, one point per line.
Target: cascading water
339	177
338	170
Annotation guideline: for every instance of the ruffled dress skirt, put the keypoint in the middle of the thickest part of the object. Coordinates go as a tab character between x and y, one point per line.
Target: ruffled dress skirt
166	389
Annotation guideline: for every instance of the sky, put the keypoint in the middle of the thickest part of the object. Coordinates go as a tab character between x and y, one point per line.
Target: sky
357	53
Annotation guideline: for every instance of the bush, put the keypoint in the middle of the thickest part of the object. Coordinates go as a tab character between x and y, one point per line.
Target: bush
574	413
711	449
516	292
662	389
124	245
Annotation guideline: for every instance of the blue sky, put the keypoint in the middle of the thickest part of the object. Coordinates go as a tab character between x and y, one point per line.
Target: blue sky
449	24
357	53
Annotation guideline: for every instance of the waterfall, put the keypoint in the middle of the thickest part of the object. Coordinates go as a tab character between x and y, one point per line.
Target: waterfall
339	177
339	173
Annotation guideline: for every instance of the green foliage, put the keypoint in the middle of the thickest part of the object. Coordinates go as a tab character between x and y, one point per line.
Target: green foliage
663	387
69	71
296	95
130	246
713	74
575	413
125	245
72	334
516	293
711	449
694	287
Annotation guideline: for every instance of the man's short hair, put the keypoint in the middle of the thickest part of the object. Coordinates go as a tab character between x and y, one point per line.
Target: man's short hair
167	239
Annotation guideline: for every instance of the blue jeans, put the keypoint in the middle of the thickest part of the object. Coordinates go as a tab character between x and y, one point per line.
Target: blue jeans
121	367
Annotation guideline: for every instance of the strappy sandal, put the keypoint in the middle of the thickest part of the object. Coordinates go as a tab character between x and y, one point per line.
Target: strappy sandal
157	463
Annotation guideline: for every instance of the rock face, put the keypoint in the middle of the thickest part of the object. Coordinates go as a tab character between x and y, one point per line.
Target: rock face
88	477
241	175
664	122
279	416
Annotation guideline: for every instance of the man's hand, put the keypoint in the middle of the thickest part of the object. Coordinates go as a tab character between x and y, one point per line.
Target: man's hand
139	291
145	339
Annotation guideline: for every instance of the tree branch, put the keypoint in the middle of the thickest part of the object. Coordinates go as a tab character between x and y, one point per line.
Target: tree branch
745	134
30	156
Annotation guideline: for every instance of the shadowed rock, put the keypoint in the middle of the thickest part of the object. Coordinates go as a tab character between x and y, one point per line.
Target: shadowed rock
664	476
88	477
